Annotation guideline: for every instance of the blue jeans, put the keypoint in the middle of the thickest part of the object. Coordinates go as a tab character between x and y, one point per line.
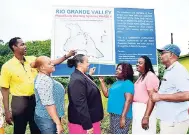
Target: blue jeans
45	125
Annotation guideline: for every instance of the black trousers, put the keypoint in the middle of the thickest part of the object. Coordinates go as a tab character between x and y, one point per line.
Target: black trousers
23	109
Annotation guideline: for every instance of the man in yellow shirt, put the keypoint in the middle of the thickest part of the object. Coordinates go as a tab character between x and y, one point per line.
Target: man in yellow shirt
17	76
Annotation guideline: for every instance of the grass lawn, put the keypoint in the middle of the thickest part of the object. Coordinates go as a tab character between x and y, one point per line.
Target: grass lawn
104	123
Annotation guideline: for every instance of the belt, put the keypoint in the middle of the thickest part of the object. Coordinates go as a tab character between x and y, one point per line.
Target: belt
26	97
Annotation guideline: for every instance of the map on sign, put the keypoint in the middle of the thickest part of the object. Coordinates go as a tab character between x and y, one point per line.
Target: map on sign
91	37
81	41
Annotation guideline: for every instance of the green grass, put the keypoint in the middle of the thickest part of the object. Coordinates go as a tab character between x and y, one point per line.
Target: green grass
104	122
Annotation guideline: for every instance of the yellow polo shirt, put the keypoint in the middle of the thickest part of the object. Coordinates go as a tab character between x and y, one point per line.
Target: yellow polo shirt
17	77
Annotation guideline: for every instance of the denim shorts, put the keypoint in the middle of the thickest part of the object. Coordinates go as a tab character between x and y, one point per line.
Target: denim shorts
45	125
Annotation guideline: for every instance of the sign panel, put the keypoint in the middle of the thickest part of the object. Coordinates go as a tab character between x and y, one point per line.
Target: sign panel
107	36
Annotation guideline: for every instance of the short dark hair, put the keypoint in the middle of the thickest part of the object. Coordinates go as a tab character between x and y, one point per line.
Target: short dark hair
12	42
75	60
127	71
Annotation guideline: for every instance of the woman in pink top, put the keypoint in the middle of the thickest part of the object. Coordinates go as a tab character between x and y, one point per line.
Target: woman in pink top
144	120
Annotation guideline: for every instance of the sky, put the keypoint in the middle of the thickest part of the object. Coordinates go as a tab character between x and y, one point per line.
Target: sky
32	19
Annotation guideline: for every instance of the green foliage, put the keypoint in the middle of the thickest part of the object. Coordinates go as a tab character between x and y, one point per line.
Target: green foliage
39	48
4	50
108	79
5	53
161	67
63	80
5	58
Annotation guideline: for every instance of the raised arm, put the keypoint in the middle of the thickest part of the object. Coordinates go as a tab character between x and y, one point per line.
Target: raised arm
103	86
66	56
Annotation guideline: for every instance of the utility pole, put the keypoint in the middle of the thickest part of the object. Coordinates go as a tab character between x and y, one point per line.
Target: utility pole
171	38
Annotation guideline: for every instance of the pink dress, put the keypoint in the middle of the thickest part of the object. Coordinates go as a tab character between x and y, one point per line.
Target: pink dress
150	82
77	129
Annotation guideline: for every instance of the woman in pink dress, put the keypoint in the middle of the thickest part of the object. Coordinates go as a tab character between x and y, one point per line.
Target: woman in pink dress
144	120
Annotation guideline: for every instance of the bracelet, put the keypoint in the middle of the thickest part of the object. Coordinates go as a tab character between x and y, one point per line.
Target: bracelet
146	117
122	116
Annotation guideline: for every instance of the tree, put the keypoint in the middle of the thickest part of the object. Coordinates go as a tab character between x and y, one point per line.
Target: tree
1	41
161	67
39	48
4	49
